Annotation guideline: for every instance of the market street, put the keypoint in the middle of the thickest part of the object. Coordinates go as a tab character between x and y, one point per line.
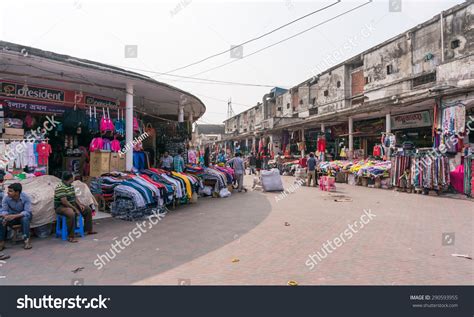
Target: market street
269	242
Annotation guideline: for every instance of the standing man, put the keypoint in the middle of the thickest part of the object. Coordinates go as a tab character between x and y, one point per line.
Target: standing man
66	204
16	210
222	157
312	170
166	161
206	157
178	162
252	163
279	162
239	170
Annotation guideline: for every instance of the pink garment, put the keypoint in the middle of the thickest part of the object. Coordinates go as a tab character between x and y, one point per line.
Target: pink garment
457	178
96	144
135	125
105	123
115	146
192	157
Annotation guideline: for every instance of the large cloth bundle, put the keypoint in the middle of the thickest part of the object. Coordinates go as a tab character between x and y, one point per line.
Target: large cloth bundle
41	191
271	180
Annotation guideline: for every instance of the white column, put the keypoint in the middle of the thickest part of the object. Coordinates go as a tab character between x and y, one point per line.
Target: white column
351	136
323	127
254	145
388	123
181	113
129	126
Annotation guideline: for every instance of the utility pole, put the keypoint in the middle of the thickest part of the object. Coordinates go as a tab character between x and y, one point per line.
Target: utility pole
230	111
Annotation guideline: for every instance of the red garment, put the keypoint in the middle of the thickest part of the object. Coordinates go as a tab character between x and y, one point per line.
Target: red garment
322	145
151	181
303	162
377	151
43	150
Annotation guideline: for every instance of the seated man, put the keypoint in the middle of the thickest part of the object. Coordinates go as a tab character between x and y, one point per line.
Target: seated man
66	204
16	210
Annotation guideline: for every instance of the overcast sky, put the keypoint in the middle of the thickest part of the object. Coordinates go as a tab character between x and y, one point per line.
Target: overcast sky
172	34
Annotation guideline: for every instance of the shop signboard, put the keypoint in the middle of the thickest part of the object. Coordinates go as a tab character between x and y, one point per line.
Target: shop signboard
33	107
28	91
99	102
411	120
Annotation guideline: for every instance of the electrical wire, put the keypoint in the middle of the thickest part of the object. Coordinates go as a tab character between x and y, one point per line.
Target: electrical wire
255	38
286	39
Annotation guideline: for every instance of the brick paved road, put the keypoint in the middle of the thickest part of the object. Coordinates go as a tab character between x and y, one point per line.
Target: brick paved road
196	243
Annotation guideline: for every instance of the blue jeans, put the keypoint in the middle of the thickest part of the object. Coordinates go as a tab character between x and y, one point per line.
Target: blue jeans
23	221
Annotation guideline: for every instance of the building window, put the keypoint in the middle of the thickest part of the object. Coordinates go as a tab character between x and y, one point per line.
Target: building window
455	44
287	106
313	102
338	84
279	109
424	79
366	80
326	93
389	69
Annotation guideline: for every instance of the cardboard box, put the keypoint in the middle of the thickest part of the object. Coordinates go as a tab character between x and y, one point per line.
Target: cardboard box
17	132
99	163
117	162
12	137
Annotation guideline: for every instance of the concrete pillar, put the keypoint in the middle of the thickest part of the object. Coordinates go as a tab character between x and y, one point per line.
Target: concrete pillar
351	136
181	113
254	145
388	123
129	126
323	127
246	144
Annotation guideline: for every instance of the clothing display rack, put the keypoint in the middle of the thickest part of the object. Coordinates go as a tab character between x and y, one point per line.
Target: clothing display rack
469	175
430	172
30	156
400	162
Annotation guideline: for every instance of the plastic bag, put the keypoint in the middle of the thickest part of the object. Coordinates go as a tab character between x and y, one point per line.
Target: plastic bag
206	191
271	180
224	192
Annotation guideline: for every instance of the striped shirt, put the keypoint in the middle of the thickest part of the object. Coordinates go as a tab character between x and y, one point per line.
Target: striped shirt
63	190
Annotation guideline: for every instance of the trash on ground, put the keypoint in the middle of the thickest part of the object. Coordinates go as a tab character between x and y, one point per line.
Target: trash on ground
462	256
292	283
287	224
342	200
77	269
235	260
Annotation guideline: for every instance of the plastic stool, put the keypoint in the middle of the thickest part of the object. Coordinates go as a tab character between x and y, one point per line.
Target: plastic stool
61	226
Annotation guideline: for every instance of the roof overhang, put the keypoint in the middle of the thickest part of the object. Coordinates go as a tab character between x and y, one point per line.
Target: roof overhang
36	67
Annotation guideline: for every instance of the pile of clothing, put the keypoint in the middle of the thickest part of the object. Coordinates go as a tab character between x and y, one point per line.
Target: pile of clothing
333	167
136	195
371	168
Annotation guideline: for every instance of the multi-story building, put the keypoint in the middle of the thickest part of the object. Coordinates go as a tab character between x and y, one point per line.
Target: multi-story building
400	86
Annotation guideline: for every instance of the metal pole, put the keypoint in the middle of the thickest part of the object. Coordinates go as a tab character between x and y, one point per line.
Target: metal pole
351	137
129	126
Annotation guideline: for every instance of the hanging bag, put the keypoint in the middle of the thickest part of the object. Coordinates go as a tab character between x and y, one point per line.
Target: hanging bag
103	122
136	127
110	124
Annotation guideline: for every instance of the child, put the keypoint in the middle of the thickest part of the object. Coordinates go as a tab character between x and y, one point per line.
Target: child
405	181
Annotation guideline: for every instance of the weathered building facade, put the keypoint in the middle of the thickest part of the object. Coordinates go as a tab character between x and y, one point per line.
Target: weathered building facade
412	75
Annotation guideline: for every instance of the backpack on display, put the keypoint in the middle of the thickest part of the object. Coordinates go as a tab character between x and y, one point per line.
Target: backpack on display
73	119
